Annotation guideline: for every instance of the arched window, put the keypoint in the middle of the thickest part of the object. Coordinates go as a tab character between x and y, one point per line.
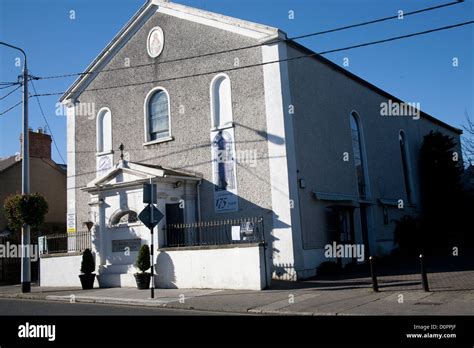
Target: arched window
157	117
104	131
123	217
358	154
406	166
221	102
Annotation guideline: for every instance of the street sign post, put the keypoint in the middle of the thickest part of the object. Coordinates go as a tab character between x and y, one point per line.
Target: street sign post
150	216
149	193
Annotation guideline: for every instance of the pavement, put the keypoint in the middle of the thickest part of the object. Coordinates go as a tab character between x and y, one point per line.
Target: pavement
29	308
451	293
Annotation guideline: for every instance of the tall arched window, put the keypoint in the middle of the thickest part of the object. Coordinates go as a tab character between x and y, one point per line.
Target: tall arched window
221	102
358	153
104	131
157	118
406	166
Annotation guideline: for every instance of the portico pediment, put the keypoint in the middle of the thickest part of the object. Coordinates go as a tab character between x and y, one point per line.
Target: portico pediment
125	174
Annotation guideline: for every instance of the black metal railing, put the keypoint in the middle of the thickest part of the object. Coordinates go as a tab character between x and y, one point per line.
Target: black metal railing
65	242
222	232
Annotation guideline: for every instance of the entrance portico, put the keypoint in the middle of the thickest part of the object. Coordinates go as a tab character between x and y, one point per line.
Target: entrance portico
116	198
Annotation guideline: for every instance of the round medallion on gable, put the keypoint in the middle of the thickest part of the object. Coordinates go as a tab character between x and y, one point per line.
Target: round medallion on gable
155	42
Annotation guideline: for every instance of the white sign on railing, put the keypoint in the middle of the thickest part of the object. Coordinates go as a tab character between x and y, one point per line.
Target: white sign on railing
42	245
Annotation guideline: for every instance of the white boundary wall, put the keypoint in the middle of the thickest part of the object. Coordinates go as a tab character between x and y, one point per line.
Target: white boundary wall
222	268
61	270
231	267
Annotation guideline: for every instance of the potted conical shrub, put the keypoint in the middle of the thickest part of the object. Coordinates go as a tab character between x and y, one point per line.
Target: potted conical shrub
87	268
143	264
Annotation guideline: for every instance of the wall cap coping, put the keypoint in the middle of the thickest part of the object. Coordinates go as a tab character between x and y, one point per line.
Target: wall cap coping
73	253
210	247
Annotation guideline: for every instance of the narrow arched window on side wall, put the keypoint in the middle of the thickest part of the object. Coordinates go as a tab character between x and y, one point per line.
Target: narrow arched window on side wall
221	102
104	131
406	166
158	116
358	154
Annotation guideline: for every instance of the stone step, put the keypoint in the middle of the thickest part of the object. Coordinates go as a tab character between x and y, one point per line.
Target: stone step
112	280
119	269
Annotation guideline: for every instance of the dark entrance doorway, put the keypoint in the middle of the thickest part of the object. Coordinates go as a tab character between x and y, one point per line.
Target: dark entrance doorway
174	217
340	224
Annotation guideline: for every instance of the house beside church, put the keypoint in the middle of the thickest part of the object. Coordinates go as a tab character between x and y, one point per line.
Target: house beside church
262	152
47	178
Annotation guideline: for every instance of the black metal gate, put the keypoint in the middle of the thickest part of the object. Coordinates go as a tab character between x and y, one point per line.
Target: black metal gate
10	267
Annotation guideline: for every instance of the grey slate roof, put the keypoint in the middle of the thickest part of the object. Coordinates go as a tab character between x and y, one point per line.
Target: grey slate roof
7	162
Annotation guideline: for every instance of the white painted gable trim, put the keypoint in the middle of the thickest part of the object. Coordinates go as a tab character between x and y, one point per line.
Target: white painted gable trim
142	15
234	25
142	173
260	32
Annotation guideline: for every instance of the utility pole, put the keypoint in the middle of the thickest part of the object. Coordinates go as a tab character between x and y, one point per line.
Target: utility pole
25	179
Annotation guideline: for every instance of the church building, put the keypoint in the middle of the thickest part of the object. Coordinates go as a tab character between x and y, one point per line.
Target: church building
262	152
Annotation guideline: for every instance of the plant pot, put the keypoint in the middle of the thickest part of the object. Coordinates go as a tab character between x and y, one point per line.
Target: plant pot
87	281
143	280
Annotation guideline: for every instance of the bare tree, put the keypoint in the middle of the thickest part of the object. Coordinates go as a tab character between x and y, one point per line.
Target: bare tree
467	142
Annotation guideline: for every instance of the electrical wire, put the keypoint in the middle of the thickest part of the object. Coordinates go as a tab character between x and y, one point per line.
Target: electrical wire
256	45
6	95
271	62
47	124
10	108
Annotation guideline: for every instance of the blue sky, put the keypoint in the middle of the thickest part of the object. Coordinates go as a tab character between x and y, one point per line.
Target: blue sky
416	70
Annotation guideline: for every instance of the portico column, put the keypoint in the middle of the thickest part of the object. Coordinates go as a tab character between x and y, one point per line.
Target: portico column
101	233
98	237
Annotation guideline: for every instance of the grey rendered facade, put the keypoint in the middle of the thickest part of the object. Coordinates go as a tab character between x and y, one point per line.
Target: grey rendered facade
294	115
322	134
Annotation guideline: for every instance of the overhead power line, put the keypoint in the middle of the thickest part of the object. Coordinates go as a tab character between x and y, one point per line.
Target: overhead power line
377	20
10	108
47	124
8	85
255	45
272	62
6	95
398	37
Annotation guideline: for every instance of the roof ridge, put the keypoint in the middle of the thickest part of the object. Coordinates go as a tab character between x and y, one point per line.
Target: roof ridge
214	15
148	9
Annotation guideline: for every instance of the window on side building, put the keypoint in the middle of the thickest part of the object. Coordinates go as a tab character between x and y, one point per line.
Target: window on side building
358	153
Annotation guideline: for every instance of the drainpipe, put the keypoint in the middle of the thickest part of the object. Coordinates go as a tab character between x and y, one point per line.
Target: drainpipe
199	199
198	195
264	254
